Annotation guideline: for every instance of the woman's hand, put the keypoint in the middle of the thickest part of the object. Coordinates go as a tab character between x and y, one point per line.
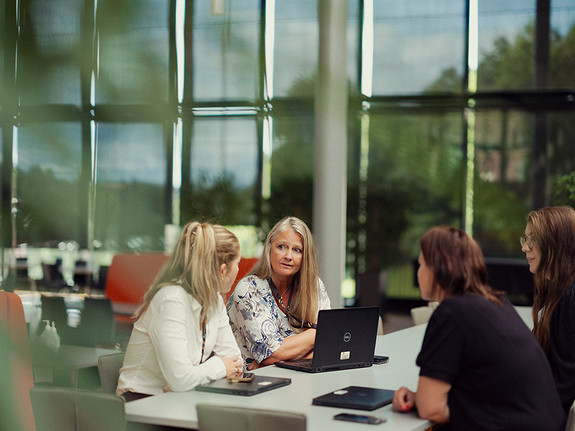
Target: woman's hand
403	400
234	365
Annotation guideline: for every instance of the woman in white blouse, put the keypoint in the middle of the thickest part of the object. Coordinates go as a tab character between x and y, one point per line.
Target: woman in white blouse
181	336
273	310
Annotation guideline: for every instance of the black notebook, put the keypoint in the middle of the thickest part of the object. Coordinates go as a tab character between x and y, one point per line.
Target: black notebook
356	397
258	385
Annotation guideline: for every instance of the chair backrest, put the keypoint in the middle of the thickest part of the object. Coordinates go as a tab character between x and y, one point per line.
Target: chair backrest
571	419
224	418
54	310
15	365
245	265
130	276
97	325
67	409
109	371
421	315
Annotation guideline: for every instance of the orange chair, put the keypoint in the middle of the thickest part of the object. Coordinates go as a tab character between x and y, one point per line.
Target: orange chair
130	276
17	376
246	264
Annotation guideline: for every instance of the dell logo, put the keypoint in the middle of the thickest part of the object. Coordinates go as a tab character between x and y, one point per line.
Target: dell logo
347	337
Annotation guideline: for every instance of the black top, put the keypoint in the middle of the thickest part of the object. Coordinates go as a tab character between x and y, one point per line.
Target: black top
500	377
562	347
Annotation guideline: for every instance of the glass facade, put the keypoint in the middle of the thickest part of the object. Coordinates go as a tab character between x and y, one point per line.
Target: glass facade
121	117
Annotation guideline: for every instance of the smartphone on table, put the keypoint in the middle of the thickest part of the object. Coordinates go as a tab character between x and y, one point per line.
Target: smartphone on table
363	419
242	378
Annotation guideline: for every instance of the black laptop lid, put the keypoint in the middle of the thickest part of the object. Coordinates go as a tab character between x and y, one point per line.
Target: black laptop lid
356	397
345	338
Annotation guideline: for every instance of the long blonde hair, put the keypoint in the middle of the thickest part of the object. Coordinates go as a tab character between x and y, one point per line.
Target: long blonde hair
554	231
305	302
195	265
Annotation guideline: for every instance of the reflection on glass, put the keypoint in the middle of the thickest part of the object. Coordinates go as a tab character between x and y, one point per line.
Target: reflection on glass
415	181
506	44
226	60
133	51
296	47
49	52
131	187
49	164
292	169
224	169
562	44
503	165
418	46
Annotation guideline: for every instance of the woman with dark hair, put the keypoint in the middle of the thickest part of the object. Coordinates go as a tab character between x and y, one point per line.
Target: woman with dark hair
481	368
549	246
273	310
181	336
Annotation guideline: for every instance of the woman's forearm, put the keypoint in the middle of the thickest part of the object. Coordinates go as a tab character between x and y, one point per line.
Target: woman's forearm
293	347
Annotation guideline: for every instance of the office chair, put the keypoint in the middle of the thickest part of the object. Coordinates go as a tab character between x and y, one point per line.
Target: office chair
15	365
223	418
67	409
109	371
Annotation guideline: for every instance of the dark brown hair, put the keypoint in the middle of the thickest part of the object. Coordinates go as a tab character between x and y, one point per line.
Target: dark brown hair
457	263
554	231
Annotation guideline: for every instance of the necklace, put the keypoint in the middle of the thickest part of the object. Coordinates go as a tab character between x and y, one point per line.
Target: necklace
279	295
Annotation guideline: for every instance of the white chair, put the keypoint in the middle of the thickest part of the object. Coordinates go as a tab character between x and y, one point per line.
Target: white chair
421	315
225	418
571	419
109	371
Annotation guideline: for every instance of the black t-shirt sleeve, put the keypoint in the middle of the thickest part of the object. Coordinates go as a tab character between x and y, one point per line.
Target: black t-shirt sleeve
443	346
562	352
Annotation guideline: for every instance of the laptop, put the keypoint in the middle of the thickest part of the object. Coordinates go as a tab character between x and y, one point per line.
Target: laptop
356	397
345	338
258	385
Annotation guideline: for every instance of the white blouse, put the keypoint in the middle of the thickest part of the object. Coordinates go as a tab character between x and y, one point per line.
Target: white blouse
165	347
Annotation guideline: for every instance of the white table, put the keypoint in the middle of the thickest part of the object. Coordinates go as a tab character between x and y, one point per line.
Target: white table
179	409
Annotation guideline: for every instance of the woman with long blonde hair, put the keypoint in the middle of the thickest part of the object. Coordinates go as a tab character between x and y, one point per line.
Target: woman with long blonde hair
181	336
273	310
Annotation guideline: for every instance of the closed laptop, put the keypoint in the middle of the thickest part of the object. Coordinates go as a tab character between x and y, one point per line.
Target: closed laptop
258	385
356	397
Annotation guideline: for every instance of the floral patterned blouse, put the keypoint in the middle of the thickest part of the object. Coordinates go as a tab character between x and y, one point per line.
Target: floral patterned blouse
257	322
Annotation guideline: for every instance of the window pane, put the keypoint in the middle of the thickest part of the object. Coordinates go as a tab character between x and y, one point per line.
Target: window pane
134	51
415	181
506	44
296	46
502	195
563	44
353	30
224	171
49	160
418	46
49	52
131	187
292	168
226	60
562	165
